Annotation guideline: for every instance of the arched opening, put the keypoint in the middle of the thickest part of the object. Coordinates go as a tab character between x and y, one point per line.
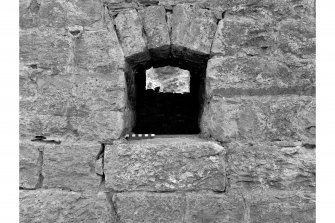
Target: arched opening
167	113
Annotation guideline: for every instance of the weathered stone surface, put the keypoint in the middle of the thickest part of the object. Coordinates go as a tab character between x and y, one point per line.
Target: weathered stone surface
165	164
68	105
28	14
102	124
84	13
297	37
193	28
243	35
150	207
130	32
99	52
208	207
157	31
264	166
71	166
260	118
47	49
56	205
234	76
177	207
168	79
30	164
279	206
52	14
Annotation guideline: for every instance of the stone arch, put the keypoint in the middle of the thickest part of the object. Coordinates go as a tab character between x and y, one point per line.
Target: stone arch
155	37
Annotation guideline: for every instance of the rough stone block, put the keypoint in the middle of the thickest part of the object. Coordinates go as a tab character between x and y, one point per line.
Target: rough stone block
193	28
28	11
75	105
235	76
242	35
130	32
98	52
71	166
47	49
150	207
84	13
102	124
100	92
165	164
264	166
297	37
157	31
177	207
56	205
213	208
52	14
260	118
30	164
278	207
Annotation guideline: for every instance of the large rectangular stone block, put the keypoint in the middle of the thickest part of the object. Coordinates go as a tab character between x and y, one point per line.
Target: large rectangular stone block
243	35
260	118
278	165
214	208
165	164
47	49
71	165
30	163
279	206
54	205
60	105
178	207
150	207
259	75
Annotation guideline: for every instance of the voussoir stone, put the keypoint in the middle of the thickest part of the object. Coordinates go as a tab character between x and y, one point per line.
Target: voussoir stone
165	164
157	31
130	33
193	28
55	205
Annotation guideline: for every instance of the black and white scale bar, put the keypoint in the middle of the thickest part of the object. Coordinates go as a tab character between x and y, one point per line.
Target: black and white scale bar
139	136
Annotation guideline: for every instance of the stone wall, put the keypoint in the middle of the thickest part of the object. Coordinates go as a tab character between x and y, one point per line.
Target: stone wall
78	63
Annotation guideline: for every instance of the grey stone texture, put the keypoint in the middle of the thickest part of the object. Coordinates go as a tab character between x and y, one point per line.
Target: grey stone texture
165	164
76	77
30	163
71	166
55	205
178	207
268	166
289	117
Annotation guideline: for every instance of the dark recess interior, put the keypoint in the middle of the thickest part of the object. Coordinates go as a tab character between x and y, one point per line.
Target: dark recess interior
168	113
